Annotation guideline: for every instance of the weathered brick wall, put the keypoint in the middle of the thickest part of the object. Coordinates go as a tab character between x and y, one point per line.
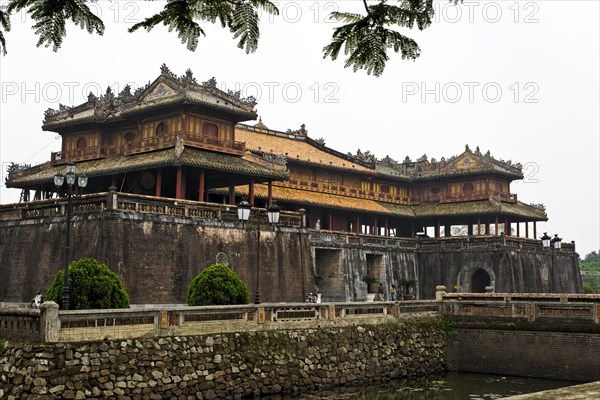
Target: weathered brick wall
155	256
514	270
223	366
553	355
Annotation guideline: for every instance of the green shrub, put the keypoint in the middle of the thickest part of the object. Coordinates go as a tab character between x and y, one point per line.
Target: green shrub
217	285
588	289
92	285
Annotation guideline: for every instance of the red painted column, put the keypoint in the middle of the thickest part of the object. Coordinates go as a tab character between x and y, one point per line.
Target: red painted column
330	216
387	231
179	183
158	182
478	226
534	230
186	121
518	229
527	229
270	194
375	227
251	193
201	186
496	226
506	226
232	194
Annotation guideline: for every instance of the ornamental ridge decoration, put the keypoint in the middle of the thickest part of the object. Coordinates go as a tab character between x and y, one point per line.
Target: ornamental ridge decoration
109	102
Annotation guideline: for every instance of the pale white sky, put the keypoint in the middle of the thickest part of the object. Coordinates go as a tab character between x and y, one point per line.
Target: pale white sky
518	78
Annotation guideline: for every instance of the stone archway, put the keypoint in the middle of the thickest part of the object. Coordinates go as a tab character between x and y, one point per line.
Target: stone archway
475	277
479	281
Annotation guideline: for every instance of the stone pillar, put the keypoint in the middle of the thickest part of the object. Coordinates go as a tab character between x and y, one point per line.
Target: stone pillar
251	193
111	198
440	291
303	211
49	322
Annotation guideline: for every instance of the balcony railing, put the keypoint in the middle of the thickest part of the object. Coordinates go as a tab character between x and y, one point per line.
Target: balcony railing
189	139
101	202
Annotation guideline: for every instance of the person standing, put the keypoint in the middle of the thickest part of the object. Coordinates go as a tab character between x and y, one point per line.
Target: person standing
393	293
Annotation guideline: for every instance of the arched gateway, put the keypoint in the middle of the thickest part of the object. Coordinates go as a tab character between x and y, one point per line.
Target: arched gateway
474	278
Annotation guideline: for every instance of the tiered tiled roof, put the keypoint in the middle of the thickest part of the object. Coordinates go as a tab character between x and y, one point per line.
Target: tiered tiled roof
166	90
296	147
44	173
491	206
467	163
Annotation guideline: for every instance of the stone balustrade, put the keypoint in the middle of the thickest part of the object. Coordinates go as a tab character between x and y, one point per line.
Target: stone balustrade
50	325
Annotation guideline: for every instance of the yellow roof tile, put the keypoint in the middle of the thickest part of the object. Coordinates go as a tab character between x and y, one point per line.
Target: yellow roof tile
294	149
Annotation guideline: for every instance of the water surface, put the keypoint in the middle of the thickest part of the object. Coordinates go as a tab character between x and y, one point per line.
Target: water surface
452	386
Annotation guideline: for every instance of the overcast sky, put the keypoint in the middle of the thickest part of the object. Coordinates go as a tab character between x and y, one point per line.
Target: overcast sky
518	78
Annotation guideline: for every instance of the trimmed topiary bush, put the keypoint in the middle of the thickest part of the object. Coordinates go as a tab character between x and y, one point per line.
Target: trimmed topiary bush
217	285
92	285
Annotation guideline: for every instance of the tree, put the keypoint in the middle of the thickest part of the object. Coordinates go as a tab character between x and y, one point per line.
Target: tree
92	286
594	256
365	38
217	284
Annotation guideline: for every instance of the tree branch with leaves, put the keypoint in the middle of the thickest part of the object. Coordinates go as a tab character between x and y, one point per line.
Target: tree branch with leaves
365	38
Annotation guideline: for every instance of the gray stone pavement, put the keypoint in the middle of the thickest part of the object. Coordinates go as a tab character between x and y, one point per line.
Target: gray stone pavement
587	391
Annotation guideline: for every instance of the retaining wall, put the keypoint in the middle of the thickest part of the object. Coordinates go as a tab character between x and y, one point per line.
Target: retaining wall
225	366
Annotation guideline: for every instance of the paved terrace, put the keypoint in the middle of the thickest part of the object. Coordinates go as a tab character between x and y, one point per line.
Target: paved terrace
588	391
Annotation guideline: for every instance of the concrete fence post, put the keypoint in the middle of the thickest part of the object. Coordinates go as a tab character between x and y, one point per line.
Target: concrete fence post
111	198
49	322
440	291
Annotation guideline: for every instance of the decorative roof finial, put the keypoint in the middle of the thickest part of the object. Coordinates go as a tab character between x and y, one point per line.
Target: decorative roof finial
164	70
260	124
467	147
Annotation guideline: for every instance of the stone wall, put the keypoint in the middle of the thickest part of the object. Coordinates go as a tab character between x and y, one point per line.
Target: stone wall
539	354
225	365
157	255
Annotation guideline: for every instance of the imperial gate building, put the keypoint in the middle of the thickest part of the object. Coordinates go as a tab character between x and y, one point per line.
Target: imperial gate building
168	164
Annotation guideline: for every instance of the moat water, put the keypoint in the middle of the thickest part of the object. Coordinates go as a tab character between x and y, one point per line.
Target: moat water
452	386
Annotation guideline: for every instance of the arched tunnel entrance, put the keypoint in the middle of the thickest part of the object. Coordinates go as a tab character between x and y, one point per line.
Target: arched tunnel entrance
479	281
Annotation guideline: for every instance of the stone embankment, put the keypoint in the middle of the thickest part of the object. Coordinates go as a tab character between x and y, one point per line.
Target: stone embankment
224	366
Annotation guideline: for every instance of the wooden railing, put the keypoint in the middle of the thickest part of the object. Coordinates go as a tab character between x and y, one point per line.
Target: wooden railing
149	144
